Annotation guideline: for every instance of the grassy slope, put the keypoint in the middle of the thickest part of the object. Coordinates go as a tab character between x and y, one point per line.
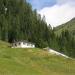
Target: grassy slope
69	26
33	62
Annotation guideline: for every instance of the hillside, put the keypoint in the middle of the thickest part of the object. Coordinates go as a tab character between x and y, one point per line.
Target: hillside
33	62
19	22
65	35
70	26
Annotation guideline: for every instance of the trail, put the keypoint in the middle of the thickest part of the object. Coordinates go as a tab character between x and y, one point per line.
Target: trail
56	53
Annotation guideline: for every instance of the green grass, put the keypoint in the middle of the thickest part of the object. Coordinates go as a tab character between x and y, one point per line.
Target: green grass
33	62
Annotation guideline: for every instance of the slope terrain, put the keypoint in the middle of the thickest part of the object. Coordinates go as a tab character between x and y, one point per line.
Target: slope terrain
33	62
70	26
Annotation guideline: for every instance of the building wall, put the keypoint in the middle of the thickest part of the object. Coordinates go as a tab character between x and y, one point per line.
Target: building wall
23	45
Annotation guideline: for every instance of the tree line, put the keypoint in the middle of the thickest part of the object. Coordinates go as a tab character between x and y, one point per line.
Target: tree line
19	22
65	43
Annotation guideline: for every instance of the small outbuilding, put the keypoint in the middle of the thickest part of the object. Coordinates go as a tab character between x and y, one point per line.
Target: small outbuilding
23	44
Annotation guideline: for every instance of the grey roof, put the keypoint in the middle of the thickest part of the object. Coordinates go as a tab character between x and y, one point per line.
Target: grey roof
23	41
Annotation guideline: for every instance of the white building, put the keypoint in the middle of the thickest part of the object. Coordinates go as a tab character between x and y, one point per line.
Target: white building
23	44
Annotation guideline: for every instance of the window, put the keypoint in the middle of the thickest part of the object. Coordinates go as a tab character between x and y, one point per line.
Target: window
24	43
19	43
15	44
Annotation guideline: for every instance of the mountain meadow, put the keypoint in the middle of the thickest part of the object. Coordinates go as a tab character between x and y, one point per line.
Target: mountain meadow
33	62
18	21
